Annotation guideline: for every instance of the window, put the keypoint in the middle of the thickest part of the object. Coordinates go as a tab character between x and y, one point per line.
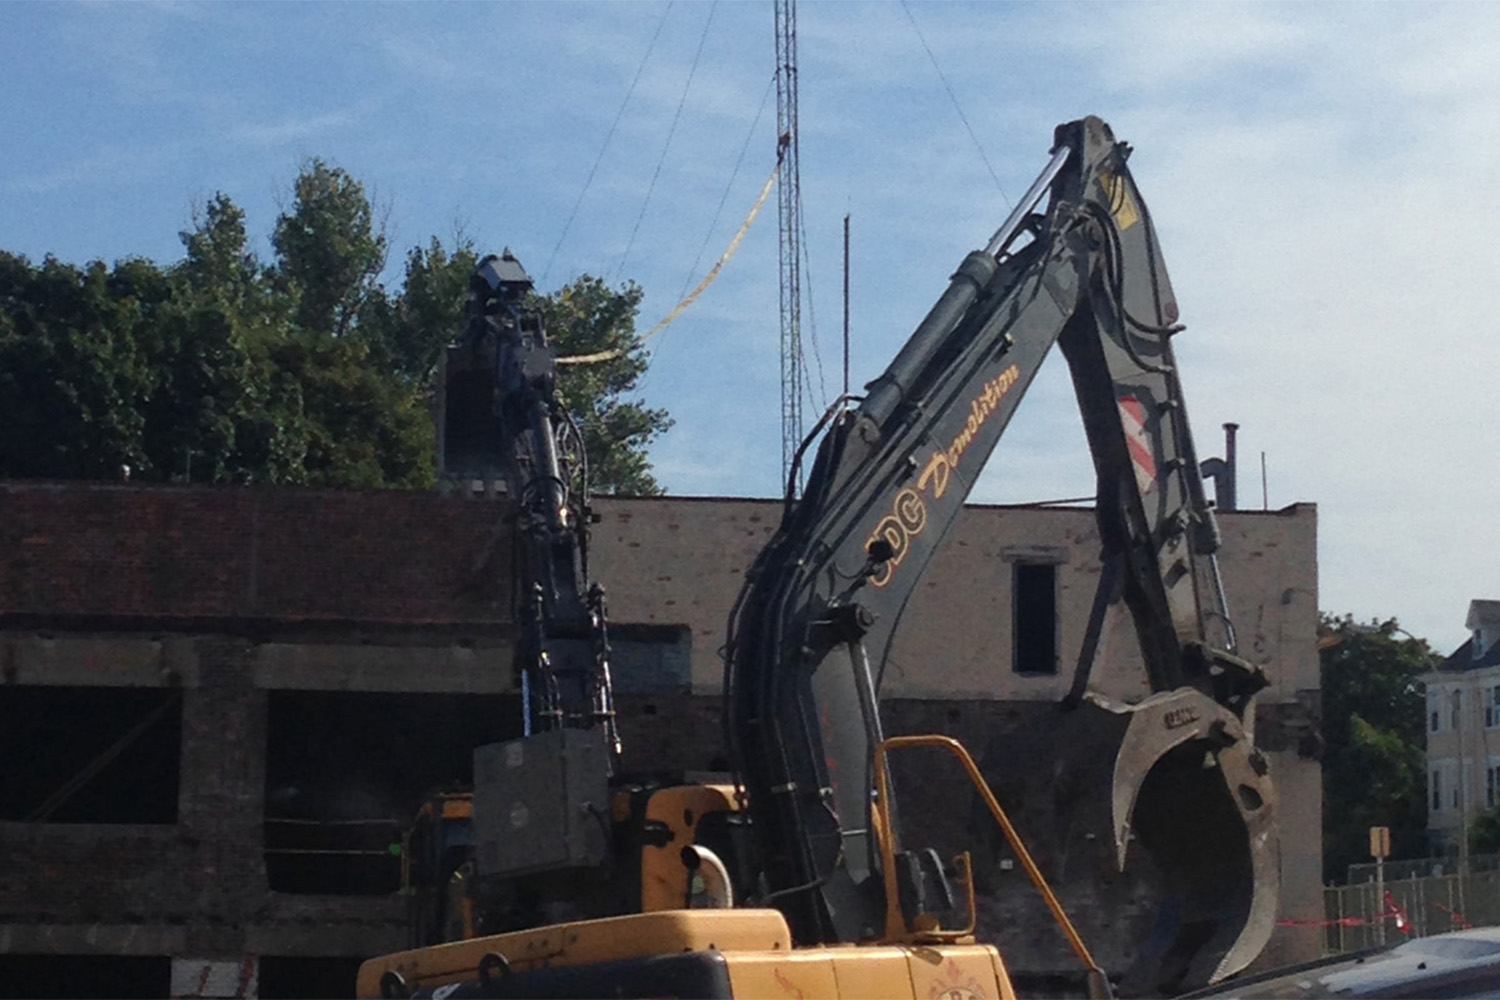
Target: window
92	754
1492	706
1434	705
1458	705
346	771
1034	607
1437	791
85	976
1491	784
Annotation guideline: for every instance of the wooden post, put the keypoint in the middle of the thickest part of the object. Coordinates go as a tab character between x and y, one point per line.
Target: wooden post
1380	846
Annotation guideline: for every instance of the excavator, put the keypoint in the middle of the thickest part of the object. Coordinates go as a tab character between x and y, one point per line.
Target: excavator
792	877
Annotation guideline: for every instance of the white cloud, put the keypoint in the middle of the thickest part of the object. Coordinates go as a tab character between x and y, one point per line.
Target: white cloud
290	129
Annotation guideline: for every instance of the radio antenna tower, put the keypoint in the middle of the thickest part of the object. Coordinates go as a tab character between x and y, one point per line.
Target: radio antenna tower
789	192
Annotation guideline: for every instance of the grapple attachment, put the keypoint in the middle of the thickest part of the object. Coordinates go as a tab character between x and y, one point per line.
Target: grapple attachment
1190	786
1172	806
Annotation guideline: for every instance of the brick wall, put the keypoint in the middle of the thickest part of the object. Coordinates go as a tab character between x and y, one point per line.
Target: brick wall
269	554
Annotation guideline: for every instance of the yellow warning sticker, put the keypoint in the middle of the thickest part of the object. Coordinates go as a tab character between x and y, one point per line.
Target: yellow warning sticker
1121	204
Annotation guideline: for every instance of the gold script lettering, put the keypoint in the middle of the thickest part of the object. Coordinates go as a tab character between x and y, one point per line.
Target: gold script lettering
909	511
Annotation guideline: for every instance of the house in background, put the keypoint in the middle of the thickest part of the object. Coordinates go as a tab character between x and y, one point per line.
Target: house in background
1463	730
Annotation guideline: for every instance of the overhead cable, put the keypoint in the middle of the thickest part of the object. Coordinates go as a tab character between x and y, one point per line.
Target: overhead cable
954	98
611	134
665	146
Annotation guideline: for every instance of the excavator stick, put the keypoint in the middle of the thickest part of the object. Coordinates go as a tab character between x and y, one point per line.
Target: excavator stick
1172	804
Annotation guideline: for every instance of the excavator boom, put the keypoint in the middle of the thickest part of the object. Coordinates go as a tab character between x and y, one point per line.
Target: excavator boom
819	611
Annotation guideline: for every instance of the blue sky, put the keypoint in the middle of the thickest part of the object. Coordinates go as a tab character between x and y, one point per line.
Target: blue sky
1321	175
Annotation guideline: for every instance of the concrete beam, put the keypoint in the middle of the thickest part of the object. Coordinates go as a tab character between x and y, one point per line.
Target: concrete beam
91	939
97	660
478	667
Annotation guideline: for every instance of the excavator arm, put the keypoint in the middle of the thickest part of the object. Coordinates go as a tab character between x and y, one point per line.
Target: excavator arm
814	624
504	415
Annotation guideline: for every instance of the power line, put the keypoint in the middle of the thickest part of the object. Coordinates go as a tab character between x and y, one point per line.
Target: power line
954	98
687	86
610	135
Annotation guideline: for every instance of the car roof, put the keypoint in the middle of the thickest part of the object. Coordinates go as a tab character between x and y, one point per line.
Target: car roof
1457	964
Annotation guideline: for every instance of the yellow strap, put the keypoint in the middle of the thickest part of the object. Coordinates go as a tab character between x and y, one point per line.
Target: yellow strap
691	297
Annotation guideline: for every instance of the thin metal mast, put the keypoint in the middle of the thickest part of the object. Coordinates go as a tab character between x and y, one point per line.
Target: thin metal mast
789	191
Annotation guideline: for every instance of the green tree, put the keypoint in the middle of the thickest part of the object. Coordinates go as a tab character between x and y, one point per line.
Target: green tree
1374	757
1484	832
221	368
585	318
73	379
219	262
407	332
328	250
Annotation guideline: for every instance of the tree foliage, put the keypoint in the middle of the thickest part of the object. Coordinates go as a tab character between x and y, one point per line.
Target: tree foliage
303	369
1484	832
587	318
1374	758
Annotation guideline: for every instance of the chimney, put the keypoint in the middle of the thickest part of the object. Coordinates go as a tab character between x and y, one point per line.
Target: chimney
1223	471
1229	500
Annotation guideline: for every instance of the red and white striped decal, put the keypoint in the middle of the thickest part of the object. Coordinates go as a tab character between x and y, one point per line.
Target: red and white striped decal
1138	442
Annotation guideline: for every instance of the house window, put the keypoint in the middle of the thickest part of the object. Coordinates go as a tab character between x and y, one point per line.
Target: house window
1491	785
1458	705
1437	791
1034	586
1434	713
1492	706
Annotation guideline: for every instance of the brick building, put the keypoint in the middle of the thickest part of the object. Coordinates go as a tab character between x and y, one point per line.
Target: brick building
219	706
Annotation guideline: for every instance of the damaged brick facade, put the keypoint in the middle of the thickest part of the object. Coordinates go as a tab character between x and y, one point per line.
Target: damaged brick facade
254	610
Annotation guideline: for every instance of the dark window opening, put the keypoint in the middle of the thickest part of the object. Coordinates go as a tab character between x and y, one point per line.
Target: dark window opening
44	977
289	977
347	771
1034	618
92	755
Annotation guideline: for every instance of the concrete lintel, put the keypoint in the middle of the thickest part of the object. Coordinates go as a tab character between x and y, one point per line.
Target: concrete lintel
1054	555
14	831
97	660
464	669
312	925
91	939
327	910
338	940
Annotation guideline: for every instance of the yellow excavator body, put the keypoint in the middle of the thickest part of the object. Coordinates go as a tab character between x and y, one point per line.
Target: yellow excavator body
744	952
